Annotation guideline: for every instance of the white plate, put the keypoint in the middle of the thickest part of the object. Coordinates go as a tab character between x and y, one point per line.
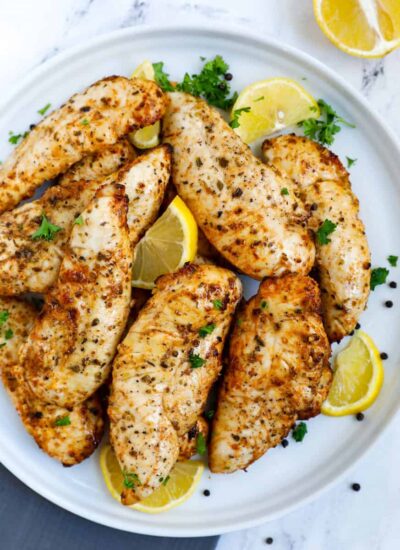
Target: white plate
283	478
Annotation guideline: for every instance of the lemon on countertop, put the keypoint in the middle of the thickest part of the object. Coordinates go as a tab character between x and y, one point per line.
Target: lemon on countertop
176	489
364	28
270	105
169	243
358	377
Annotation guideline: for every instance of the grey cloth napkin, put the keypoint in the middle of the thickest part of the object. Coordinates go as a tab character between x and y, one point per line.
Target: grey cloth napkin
29	522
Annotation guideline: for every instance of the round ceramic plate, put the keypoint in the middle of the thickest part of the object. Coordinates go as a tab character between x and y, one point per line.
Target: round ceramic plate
283	478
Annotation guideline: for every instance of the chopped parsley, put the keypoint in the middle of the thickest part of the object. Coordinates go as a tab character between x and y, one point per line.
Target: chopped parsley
209	414
8	334
201	446
78	220
350	162
4	315
239	322
325	229
63	421
264	304
131	480
218	304
299	432
44	109
165	481
234	123
196	361
15	138
46	231
162	78
378	277
284	191
207	329
210	84
2	345
259	98
393	260
85	122
326	127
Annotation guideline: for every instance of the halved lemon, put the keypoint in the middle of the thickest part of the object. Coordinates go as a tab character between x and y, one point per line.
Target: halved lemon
177	488
364	28
358	377
147	137
167	245
270	105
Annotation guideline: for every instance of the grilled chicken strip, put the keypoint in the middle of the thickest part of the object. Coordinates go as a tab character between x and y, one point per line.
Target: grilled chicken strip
344	263
237	201
165	368
28	265
278	371
69	443
68	354
99	116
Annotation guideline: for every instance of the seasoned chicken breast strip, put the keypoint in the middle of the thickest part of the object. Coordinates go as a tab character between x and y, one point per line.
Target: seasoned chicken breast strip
247	210
164	370
32	265
344	262
278	371
68	436
68	354
99	116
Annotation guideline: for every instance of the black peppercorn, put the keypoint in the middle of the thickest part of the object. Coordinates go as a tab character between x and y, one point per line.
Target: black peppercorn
228	76
206	493
356	487
360	417
389	303
384	355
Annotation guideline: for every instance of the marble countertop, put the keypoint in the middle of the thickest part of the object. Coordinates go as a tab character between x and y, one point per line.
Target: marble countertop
31	32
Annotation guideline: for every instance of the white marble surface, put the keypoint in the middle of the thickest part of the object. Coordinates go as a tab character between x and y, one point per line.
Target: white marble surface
31	32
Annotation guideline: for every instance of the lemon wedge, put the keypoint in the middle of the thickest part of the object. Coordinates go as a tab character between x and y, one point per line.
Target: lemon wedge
147	137
167	245
358	377
270	105
364	28
177	488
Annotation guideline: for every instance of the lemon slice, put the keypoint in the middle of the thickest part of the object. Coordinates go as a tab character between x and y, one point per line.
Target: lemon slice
147	137
167	245
180	485
364	28
271	105
357	379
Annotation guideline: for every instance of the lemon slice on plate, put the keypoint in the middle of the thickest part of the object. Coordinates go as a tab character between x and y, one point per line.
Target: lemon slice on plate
177	488
270	105
364	28
358	377
147	137
167	245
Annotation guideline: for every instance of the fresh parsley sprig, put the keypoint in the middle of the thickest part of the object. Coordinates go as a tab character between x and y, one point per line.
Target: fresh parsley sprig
325	229
378	277
234	123
46	231
299	432
326	127
201	446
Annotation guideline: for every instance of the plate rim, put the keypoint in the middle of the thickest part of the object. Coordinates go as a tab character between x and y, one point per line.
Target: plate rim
229	31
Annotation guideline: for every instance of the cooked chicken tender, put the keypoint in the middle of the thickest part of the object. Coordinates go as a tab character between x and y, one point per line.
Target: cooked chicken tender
247	210
69	436
344	261
32	265
165	368
68	354
278	371
99	116
16	320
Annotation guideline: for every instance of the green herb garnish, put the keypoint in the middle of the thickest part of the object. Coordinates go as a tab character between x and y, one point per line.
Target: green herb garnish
46	231
85	122
326	127
165	481
196	361
209	414
218	304
284	191
393	260
4	315
78	220
378	277
8	334
207	329
299	432
15	138
162	78
64	421
264	304
259	98
350	162
234	123
325	229
201	446
44	109
131	480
